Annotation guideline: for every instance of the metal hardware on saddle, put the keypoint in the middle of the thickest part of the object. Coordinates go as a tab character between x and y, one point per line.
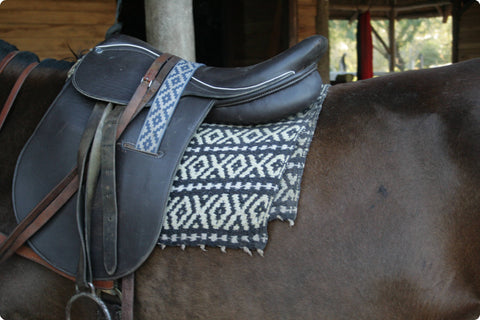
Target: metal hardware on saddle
88	293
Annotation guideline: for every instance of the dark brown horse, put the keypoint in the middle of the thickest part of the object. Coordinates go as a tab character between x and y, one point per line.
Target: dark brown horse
388	223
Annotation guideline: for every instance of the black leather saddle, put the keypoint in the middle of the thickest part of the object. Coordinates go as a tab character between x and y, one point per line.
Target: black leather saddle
110	73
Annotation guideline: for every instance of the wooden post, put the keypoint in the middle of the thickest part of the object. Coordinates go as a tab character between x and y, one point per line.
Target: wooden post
293	23
321	27
169	27
455	29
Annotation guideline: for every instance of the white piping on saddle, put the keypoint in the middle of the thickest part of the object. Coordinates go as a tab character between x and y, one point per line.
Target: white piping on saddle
126	45
277	78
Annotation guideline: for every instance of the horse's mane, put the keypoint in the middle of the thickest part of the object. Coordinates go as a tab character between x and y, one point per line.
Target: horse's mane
56	64
6	47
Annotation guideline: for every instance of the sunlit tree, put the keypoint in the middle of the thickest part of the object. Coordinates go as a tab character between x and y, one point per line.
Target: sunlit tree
420	43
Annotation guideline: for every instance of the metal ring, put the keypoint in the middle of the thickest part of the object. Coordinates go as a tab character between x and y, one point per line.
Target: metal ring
91	296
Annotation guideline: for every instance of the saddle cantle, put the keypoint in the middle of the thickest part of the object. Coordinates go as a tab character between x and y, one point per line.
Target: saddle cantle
111	73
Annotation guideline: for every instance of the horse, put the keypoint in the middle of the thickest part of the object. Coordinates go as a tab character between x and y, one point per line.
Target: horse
387	224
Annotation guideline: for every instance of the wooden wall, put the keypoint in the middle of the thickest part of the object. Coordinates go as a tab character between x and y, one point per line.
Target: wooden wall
312	18
48	28
306	18
469	33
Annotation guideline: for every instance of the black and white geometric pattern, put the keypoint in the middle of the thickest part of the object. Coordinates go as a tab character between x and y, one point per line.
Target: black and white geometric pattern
233	180
163	106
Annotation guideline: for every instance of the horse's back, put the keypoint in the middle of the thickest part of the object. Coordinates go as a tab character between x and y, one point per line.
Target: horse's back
387	224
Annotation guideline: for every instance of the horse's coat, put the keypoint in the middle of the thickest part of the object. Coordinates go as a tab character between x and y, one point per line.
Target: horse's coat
388	223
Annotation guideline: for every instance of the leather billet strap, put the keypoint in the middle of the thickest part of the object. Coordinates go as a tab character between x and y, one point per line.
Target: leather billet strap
16	87
66	188
83	207
90	164
108	190
128	290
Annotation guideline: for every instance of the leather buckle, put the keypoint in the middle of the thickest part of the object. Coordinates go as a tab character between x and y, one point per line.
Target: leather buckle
150	76
148	80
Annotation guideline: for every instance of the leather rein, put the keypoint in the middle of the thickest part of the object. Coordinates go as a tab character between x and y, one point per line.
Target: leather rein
16	87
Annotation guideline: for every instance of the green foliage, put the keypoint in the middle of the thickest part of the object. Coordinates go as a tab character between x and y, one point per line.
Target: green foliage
342	41
420	43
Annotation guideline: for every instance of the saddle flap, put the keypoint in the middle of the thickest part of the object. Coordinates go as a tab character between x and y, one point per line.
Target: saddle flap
142	183
112	72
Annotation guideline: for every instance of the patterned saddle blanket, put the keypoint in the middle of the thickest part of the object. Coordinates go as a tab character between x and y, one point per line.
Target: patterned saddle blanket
233	180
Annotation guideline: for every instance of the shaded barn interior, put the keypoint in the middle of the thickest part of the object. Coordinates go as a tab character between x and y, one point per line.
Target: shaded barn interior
466	30
228	33
386	9
464	15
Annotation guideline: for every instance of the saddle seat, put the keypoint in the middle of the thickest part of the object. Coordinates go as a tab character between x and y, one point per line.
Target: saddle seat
110	73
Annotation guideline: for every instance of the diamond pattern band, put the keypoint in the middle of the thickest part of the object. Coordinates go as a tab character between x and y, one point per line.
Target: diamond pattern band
164	105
